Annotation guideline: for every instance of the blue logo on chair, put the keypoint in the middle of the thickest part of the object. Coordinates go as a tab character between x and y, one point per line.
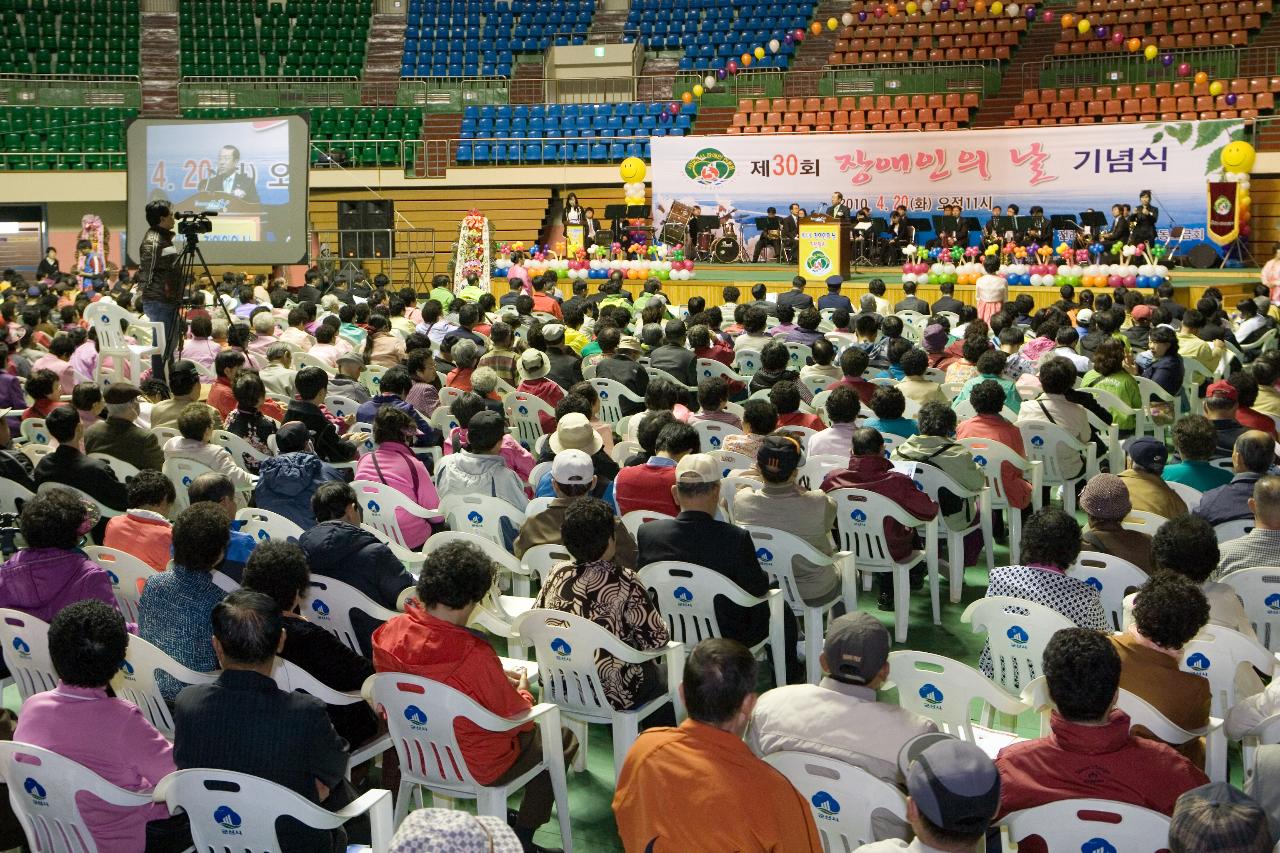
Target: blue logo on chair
524	410
1198	662
321	609
373	506
683	595
603	395
1098	845
226	817
263	534
20	646
560	647
186	481
764	555
475	517
858	516
126	668
1037	441
40	438
715	441
981	460
113	577
416	716
1018	635
827	805
1095	583
35	789
1273	601
931	695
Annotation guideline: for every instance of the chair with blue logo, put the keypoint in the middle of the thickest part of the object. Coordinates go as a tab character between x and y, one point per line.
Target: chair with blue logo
815	469
26	652
44	788
291	677
306	359
182	473
339	405
991	457
944	690
119	360
730	461
746	362
126	572
713	433
264	525
709	368
135	682
777	551
612	393
1113	577
860	520
637	517
489	517
539	560
566	647
1043	442
328	603
33	431
730	485
124	471
241	451
523	411
1228	530
935	481
1017	633
1221	656
420	716
1089	826
381	505
1259	589
236	810
844	798
1142	713
685	594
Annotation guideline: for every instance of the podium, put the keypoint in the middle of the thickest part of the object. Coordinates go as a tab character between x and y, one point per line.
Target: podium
574	236
824	248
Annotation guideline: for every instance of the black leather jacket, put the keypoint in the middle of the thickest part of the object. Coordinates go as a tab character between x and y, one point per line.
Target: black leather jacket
158	271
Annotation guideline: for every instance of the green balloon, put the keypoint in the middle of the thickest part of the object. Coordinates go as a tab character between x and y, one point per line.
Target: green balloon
664	274
933	278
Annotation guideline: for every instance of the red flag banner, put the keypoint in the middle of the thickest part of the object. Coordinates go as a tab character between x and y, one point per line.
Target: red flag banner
1224	212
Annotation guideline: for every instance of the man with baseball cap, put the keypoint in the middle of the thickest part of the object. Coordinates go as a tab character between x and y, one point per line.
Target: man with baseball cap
1219	818
839	717
1147	491
1220	404
1139	334
119	436
572	476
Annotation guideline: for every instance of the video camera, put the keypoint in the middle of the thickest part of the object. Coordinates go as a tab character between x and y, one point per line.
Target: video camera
194	223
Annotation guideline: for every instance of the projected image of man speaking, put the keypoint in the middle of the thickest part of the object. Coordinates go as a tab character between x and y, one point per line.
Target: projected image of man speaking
229	179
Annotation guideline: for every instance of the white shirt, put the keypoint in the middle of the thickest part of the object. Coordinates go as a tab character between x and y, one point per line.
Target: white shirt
1081	362
835	440
894	844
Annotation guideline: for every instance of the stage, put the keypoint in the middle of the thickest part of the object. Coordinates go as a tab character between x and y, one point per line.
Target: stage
1189	284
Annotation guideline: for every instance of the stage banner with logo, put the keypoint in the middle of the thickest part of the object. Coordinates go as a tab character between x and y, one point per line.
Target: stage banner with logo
1224	212
820	249
1066	170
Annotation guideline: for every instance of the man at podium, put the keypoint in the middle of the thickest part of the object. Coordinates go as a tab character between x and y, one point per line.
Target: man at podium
229	180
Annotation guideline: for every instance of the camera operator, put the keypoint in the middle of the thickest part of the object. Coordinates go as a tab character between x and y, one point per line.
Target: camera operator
161	280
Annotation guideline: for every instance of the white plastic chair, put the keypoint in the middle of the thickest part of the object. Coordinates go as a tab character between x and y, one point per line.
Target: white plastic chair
535	475
540	560
163	434
379	503
339	405
729	488
103	510
686	593
241	451
1194	375
1151	391
450	395
1191	497
523	411
1113	577
814	469
860	519
13	496
124	471
1017	633
1142	713
843	797
1218	653
33	431
328	603
632	520
420	717
1143	522
371	378
944	690
481	514
182	473
991	457
135	682
567	648
44	788
1042	441
612	393
1118	408
35	452
1264	733
126	572
264	526
659	373
709	367
442	419
713	433
291	677
412	560
26	652
110	321
934	481
747	362
623	449
819	402
222	803
1259	589
1072	826
1228	530
776	551
306	359
730	461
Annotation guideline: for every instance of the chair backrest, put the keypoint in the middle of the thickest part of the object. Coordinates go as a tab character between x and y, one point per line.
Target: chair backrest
34	431
776	551
340	406
371	378
126	572
990	455
1143	522
306	359
493	550
163	434
541	559
1042	441
103	510
730	461
933	481
1228	530
1091	826
623	449
1143	713
843	797
482	515
25	644
709	367
523	410
379	502
685	594
747	362
124	471
860	518
1191	497
1017	633
612	393
264	525
1113	577
1218	653
713	433
182	473
815	469
241	451
328	603
136	681
944	690
442	419
106	318
637	517
536	474
1259	589
420	716
44	788
450	395
13	496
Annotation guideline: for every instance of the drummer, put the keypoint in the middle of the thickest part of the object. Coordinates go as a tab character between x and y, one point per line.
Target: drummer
770	237
694	226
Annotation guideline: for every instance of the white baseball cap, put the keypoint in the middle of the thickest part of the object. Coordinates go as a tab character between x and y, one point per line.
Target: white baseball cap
572	468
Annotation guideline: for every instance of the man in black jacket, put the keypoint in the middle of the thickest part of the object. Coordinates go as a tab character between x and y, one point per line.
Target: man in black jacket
161	279
695	536
68	466
947	302
674	357
312	384
244	723
619	364
14	465
796	297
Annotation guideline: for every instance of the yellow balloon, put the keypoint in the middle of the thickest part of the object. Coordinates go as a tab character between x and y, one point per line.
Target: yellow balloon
1244	201
1238	157
1215	88
1151	52
1084	26
997	7
832	23
912	8
631	169
759	52
698	90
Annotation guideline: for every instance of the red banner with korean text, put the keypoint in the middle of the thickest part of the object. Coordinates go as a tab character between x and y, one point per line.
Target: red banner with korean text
1224	212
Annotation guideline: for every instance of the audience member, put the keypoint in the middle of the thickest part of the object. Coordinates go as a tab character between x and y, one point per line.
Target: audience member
184	386
195	443
759	418
1053	406
1252	457
287	481
989	424
1261	545
934	446
480	468
713	398
218	490
14	464
1186	545
119	436
248	421
393	388
393	464
651	486
842	413
68	466
312	384
226	367
1220	404
144	531
572	476
1195	440
853	364
1220	818
889	404
1148	492
1105	501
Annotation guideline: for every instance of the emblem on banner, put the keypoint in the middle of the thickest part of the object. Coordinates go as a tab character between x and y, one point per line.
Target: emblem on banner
709	167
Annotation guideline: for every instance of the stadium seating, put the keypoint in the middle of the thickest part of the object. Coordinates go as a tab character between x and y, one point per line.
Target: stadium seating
69	36
711	32
850	114
951	36
1167	24
368	136
560	133
1184	100
303	38
64	138
457	38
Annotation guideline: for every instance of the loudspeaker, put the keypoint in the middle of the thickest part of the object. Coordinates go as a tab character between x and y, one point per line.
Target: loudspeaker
1201	256
364	229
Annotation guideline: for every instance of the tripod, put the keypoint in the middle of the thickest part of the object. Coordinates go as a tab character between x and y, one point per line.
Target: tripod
191	260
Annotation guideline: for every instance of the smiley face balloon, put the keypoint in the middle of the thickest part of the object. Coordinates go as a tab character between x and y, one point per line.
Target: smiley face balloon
633	168
1238	157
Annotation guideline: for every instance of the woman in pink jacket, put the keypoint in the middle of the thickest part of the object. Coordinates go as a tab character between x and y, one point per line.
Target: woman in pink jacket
393	463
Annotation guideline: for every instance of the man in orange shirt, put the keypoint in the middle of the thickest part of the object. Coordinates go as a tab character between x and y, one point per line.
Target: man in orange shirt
144	531
542	301
698	786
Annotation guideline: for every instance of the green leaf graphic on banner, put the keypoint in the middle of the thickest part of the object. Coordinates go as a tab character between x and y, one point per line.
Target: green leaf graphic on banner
1208	131
1157	137
1180	132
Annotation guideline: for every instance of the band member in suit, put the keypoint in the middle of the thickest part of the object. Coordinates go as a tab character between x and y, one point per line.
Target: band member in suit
900	234
1119	231
791	232
695	229
770	237
991	232
839	207
591	227
229	179
1038	230
1144	220
948	233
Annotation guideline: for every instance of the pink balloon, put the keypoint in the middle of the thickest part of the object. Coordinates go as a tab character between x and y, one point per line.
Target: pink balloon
1130	280
1184	70
1047	17
1114	281
1117	38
